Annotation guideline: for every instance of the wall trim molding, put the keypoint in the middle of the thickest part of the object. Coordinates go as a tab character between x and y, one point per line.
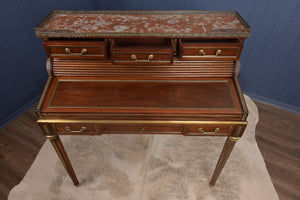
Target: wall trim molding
19	111
275	103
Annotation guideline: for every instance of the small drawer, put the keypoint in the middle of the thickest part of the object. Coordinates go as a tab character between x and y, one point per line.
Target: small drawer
142	51
198	130
141	129
191	50
162	129
75	129
121	129
76	49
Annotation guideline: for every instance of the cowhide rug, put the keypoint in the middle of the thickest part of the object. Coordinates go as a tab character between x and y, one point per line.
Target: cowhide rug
149	167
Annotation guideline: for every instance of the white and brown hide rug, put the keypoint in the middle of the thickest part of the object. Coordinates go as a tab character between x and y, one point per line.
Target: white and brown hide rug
149	167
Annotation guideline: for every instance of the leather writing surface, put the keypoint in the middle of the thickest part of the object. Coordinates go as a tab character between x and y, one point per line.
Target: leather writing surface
98	94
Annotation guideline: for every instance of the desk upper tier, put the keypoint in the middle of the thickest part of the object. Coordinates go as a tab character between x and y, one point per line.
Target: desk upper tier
171	24
143	65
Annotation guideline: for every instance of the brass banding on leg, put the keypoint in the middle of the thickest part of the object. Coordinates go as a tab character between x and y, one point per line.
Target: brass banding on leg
51	137
234	139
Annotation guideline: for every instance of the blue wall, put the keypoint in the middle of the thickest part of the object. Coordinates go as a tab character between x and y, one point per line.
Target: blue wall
270	59
22	56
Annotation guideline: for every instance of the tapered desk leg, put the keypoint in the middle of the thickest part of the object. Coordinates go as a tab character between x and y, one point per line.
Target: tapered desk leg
228	146
60	150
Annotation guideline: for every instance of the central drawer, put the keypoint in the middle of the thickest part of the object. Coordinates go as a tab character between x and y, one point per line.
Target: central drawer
142	51
141	129
215	129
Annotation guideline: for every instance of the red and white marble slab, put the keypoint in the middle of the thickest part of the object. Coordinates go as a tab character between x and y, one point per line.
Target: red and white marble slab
168	24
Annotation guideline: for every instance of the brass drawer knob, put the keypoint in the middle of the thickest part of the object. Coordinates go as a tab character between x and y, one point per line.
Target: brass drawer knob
201	130
82	52
134	57
217	130
81	130
203	53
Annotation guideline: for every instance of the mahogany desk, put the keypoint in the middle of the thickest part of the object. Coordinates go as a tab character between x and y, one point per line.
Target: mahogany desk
143	72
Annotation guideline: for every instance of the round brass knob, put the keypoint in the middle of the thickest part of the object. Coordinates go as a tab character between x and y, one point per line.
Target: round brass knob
217	130
150	57
83	51
201	130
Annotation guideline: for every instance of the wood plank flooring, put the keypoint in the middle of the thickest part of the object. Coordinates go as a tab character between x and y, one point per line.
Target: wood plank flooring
277	133
20	142
278	138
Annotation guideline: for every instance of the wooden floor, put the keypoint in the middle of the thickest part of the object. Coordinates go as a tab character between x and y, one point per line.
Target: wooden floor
278	138
277	134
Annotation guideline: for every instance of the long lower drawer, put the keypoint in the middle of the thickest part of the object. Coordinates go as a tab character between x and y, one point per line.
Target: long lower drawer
141	129
193	129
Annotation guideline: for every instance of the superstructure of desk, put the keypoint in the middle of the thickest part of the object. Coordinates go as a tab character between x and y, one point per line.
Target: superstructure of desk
143	72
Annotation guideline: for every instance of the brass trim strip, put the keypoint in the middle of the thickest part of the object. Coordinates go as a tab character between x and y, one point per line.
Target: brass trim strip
234	139
139	80
146	108
138	121
120	114
222	34
39	106
51	137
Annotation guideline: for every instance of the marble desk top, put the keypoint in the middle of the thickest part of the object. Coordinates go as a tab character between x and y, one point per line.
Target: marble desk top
173	24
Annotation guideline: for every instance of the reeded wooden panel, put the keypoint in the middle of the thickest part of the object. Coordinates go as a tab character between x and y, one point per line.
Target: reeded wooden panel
65	67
